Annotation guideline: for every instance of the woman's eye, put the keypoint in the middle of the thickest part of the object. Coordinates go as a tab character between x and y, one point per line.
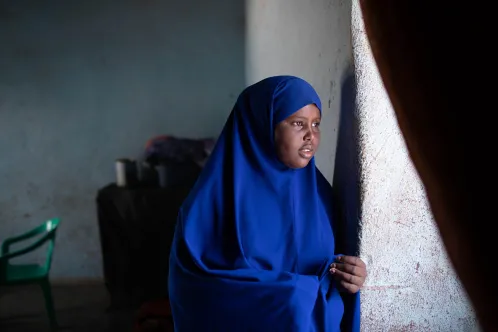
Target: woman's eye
298	123
316	124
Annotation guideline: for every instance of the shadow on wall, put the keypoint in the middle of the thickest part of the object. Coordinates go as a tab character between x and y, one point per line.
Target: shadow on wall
85	82
346	182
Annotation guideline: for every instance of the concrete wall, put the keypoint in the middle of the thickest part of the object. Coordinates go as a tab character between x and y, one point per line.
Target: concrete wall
82	83
85	82
411	286
306	38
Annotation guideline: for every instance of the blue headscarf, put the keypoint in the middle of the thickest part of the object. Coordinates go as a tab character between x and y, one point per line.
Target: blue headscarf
254	239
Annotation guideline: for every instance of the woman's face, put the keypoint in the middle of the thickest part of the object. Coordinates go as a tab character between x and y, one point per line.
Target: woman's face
298	136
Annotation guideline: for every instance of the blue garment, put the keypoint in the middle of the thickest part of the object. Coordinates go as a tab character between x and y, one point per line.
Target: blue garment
254	239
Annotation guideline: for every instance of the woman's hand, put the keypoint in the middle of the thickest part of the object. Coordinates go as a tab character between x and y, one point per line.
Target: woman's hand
350	272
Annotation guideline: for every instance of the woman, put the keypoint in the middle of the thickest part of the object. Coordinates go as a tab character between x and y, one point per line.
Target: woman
254	244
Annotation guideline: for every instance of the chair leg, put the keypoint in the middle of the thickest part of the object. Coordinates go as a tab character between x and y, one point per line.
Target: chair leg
49	303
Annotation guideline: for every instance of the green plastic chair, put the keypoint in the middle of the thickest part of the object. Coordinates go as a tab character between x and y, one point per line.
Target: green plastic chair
11	274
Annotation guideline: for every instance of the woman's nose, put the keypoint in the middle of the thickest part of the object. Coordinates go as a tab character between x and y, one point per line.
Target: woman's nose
308	136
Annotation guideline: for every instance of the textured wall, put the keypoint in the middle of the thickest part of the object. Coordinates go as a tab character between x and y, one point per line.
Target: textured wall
82	83
85	82
306	38
411	286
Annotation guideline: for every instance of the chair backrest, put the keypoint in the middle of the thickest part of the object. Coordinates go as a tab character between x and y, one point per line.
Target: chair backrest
48	228
51	229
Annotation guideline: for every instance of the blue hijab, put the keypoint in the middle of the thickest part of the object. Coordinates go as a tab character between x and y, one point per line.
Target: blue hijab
254	239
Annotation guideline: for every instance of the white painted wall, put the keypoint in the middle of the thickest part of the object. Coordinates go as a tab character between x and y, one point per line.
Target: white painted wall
305	38
411	286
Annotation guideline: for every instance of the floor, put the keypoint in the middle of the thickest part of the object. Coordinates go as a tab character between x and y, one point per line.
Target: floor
80	308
